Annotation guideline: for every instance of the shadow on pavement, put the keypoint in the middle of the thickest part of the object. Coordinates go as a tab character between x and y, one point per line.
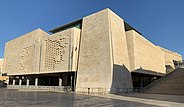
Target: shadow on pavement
160	97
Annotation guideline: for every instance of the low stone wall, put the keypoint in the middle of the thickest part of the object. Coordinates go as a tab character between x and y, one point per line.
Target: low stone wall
49	88
70	89
104	90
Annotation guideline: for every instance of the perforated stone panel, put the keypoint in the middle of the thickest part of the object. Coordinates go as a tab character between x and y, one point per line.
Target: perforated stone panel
59	51
22	55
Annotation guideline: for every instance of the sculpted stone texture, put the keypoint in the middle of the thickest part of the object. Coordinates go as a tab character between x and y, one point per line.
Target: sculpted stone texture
60	51
22	55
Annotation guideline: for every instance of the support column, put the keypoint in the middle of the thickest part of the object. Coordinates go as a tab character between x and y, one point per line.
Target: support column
27	81
14	81
60	81
71	82
20	81
141	83
36	81
49	81
8	82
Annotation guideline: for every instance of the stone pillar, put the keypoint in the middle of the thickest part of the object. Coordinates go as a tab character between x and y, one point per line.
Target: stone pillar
13	81
36	81
141	84
8	81
60	81
71	82
20	81
27	82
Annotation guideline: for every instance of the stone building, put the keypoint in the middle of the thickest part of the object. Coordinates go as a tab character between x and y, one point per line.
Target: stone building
1	66
3	76
98	53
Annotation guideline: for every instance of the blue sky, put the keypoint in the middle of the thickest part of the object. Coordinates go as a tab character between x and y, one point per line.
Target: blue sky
160	21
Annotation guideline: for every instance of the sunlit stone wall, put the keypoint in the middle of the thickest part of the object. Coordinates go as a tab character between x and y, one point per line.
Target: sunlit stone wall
22	55
60	51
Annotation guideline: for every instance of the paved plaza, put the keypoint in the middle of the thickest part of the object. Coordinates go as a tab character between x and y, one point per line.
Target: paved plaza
26	98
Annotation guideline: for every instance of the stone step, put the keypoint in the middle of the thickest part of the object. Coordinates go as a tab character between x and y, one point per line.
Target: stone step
172	84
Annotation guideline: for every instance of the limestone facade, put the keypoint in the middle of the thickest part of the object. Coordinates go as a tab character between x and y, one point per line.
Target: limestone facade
60	51
169	56
103	43
2	77
144	54
99	48
22	55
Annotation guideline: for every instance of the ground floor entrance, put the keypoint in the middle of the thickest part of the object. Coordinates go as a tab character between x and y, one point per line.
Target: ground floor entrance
143	78
55	79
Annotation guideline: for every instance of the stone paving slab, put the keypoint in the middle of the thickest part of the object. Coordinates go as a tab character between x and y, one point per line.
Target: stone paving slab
162	97
145	100
15	98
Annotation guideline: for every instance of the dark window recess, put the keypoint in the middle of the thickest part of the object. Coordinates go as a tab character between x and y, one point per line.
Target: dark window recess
129	27
77	24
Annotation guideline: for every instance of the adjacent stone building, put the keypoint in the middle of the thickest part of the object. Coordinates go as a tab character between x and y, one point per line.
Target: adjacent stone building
3	76
1	66
99	53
